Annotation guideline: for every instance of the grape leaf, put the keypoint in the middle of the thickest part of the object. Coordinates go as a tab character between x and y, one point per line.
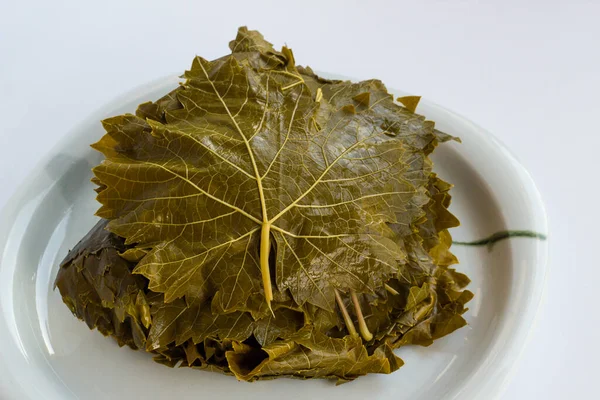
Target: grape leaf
99	288
310	354
245	153
258	213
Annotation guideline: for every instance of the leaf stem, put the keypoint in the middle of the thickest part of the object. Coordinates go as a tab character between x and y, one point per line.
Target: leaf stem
362	325
319	95
291	85
390	289
265	246
347	319
498	236
265	249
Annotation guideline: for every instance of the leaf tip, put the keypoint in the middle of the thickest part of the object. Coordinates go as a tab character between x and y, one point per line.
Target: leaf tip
409	102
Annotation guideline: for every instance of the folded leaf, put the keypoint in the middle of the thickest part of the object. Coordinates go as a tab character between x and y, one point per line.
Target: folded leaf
261	221
310	354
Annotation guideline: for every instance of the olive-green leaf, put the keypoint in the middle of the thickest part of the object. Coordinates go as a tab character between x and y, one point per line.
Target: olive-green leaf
310	354
262	221
248	149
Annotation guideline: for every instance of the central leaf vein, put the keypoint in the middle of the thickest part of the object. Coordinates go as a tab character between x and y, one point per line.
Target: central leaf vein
266	225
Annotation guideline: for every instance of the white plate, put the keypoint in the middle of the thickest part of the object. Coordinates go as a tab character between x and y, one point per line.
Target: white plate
48	354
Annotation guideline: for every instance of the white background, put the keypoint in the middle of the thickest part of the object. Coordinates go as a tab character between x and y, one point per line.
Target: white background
528	71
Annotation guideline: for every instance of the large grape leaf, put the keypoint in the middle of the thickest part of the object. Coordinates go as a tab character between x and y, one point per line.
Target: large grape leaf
252	155
256	176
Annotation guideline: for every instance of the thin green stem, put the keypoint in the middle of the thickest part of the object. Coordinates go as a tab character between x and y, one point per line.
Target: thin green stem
362	325
390	289
498	236
347	319
265	248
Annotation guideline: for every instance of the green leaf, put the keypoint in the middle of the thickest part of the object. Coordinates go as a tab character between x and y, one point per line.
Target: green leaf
410	102
416	295
243	153
309	354
282	325
257	214
98	287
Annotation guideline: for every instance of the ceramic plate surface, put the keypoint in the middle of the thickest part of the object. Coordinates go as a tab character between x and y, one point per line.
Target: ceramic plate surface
46	353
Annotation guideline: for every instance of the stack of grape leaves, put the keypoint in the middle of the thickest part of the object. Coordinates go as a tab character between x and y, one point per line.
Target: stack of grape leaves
262	221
